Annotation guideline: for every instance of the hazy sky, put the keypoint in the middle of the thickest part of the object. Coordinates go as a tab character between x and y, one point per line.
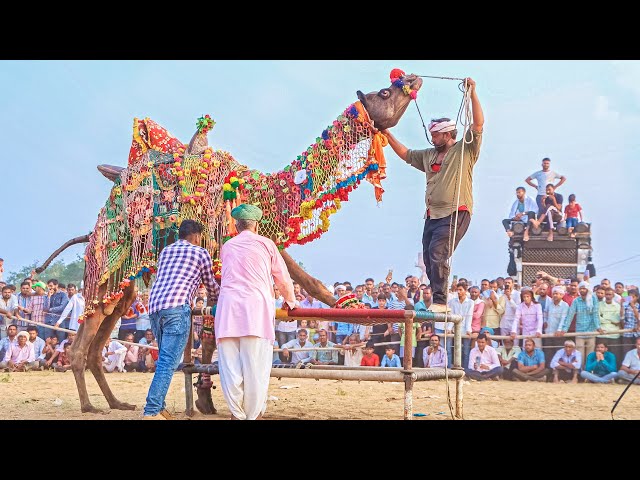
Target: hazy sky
60	119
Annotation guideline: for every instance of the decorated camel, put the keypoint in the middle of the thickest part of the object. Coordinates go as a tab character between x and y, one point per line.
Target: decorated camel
167	181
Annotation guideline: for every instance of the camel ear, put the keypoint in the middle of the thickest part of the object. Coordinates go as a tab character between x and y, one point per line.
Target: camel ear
110	171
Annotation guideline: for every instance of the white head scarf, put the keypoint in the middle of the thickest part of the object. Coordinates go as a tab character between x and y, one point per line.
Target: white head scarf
589	295
443	127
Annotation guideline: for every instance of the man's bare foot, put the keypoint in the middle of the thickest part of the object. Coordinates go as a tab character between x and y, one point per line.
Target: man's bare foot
573	235
574	380
550	237
509	233
555	380
525	237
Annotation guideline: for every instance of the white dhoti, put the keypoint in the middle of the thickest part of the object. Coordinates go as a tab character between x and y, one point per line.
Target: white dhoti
114	361
245	366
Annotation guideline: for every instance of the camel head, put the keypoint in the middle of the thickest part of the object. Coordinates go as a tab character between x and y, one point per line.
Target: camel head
387	106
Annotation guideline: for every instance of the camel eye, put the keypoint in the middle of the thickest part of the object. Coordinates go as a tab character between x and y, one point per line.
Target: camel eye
384	93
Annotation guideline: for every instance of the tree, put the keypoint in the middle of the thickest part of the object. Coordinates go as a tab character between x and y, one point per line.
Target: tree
71	273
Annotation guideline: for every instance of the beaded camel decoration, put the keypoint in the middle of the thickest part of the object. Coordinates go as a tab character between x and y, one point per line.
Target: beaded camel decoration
167	181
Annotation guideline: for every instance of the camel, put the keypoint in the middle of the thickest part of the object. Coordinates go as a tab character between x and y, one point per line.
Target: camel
167	181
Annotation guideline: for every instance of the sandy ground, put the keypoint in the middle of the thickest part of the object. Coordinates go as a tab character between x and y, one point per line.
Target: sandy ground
52	395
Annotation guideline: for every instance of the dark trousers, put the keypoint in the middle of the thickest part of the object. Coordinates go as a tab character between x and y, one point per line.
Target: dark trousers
436	250
506	223
539	202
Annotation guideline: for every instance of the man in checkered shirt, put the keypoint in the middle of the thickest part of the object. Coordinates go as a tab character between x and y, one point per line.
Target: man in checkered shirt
182	267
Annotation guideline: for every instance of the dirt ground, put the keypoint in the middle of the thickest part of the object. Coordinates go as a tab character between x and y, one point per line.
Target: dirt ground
52	395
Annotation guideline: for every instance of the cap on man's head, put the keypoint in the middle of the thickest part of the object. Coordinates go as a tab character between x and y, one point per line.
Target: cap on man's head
246	211
488	330
340	287
22	333
39	284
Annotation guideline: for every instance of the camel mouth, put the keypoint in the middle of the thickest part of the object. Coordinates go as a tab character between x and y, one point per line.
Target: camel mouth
414	81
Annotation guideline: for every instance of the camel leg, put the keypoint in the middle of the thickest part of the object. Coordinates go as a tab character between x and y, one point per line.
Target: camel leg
79	349
94	361
313	286
204	403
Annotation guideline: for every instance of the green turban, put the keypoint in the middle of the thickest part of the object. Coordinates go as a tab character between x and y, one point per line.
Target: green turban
39	284
247	211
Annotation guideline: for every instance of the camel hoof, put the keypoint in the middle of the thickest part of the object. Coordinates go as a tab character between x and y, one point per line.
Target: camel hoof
204	403
123	406
92	409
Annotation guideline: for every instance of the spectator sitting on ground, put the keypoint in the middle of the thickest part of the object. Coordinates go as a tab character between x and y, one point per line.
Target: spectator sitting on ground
508	356
531	365
324	357
19	356
600	366
38	344
352	351
147	356
434	355
484	363
50	352
552	210
566	363
131	358
630	366
524	208
10	339
113	356
370	359
301	342
390	358
573	214
64	361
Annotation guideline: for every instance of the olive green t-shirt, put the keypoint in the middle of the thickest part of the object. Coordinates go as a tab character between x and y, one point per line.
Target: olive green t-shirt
441	193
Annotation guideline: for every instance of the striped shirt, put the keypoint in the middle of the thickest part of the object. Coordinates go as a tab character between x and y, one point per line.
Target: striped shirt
38	304
395	304
182	267
587	318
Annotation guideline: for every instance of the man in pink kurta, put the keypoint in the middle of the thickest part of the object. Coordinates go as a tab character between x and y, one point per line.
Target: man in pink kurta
245	314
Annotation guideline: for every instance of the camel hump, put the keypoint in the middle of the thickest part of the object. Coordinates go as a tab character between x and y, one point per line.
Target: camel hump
199	142
147	135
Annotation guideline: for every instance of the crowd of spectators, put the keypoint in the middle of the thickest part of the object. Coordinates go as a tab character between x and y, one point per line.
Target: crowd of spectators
495	308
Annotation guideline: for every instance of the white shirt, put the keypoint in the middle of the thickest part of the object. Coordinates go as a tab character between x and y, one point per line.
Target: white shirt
75	307
530	205
631	360
114	347
544	179
574	359
464	308
297	357
488	356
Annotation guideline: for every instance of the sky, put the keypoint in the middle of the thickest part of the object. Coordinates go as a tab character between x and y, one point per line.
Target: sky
60	119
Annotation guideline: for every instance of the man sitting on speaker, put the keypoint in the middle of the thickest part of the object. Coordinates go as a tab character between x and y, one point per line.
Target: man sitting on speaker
524	208
552	210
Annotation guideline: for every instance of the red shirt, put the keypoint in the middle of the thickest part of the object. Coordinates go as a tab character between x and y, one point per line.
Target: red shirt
372	361
569	299
571	211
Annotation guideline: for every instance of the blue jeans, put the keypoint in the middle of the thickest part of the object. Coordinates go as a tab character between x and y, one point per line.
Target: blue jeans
171	329
592	377
572	222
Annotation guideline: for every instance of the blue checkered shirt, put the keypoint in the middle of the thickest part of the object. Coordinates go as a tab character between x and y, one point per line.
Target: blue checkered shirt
182	267
629	321
587	319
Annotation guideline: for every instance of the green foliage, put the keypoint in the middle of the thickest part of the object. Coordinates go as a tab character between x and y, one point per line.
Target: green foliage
64	273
